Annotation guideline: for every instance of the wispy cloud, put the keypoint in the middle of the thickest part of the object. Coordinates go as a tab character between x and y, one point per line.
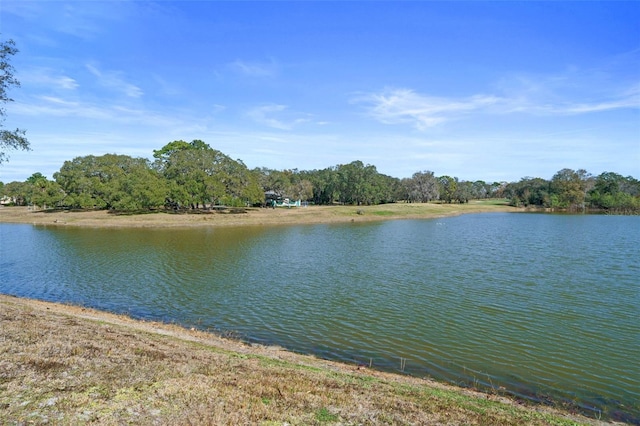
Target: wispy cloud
166	87
628	99
49	78
397	106
255	69
394	106
54	106
277	116
83	20
113	80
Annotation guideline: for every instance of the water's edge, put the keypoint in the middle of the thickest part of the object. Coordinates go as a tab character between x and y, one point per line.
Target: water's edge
469	300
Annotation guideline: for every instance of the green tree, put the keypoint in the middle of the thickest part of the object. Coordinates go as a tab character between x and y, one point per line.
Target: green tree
422	187
480	189
275	180
111	181
17	192
463	192
325	185
613	192
199	175
302	190
359	184
568	189
529	191
43	192
447	188
164	153
8	139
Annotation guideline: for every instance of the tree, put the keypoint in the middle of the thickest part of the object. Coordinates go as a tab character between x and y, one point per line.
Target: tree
529	191
17	192
463	192
200	175
8	139
164	153
357	183
448	187
613	192
325	185
111	181
302	190
568	188
480	189
275	180
43	192
422	187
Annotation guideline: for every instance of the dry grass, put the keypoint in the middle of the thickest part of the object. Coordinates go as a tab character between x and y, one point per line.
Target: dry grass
69	365
251	216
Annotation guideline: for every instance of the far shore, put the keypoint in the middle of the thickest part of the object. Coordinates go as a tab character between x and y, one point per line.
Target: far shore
249	216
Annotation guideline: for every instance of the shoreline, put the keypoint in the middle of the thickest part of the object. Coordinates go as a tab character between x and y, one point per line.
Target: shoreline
249	216
69	364
50	312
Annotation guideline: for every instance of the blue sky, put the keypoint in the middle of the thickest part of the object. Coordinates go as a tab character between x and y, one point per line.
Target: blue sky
478	90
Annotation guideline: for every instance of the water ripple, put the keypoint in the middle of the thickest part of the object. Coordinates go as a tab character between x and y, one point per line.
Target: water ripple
540	305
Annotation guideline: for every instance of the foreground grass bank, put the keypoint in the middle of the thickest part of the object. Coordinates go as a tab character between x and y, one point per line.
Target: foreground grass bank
250	216
69	365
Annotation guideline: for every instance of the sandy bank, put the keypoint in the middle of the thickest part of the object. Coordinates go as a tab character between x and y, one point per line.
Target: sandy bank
247	217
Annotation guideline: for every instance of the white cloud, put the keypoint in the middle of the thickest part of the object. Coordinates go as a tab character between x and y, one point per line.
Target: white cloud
575	91
394	106
54	106
397	106
113	80
49	78
629	99
255	69
165	87
217	108
277	116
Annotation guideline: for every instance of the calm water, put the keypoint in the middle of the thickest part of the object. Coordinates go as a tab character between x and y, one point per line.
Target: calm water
545	306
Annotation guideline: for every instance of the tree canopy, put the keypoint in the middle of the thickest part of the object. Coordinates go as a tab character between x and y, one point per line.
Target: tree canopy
9	139
193	175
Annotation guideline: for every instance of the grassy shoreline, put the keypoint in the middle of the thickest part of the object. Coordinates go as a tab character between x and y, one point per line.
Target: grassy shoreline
65	364
250	216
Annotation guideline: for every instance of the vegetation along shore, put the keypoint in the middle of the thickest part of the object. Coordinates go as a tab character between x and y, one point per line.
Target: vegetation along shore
190	176
65	364
249	216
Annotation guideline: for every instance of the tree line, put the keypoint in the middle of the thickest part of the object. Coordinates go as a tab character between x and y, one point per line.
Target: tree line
192	175
577	190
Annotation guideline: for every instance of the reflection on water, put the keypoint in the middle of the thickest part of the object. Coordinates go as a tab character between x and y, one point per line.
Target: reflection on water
541	305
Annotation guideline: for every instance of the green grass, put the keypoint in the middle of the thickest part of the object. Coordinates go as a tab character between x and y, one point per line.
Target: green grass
383	213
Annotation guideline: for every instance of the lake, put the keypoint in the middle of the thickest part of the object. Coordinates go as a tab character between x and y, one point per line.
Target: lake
543	307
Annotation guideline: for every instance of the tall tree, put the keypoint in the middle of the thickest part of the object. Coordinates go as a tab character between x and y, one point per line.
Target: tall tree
448	187
529	191
356	183
43	192
16	192
568	188
463	192
111	181
613	192
8	139
325	185
422	187
200	175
